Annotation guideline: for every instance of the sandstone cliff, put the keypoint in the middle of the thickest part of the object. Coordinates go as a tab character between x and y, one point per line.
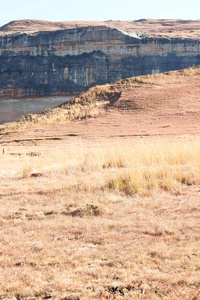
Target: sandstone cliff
67	61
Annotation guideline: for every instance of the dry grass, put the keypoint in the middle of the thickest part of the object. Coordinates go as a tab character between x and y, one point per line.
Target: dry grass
149	27
90	104
93	102
57	115
101	223
135	168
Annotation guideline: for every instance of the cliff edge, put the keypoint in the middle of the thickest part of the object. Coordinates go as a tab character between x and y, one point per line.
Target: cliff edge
40	58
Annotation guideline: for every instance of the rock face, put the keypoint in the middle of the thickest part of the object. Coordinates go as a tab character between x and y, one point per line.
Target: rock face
72	60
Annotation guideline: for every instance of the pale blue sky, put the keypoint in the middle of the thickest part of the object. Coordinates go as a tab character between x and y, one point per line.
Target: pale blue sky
65	10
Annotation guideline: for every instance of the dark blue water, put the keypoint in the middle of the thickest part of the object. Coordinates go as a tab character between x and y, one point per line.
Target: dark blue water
13	109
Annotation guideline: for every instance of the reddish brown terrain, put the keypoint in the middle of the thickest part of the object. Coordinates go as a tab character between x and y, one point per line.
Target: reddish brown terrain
105	207
150	27
162	105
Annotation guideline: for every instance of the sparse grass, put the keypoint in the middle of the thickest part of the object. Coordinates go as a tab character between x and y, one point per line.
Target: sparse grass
86	105
69	112
135	168
101	223
92	103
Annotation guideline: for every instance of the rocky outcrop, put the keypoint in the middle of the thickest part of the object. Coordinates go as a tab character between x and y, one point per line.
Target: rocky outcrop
72	60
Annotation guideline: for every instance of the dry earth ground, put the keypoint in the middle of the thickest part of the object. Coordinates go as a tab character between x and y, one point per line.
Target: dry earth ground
67	233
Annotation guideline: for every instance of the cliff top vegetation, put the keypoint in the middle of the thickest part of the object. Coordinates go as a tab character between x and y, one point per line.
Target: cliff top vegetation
148	27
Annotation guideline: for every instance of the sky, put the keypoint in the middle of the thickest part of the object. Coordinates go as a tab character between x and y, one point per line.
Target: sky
101	10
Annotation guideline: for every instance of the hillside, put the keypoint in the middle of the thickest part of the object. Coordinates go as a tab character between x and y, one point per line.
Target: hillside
100	196
142	105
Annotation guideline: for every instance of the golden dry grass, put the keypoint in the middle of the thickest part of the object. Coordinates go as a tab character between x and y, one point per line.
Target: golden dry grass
96	100
89	104
101	222
56	115
137	167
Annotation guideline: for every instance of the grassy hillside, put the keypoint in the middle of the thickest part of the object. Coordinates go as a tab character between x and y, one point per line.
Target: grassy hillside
105	207
152	92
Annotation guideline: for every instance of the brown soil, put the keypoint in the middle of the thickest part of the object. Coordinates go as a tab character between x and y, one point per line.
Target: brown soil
149	27
63	237
162	105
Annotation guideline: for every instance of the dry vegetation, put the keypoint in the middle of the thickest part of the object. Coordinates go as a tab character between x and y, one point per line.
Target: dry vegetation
124	94
87	105
146	27
105	208
101	222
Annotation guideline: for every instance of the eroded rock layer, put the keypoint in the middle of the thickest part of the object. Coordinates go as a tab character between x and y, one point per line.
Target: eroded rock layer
71	60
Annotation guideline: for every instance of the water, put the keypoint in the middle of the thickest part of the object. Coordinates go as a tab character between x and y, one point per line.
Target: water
13	109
